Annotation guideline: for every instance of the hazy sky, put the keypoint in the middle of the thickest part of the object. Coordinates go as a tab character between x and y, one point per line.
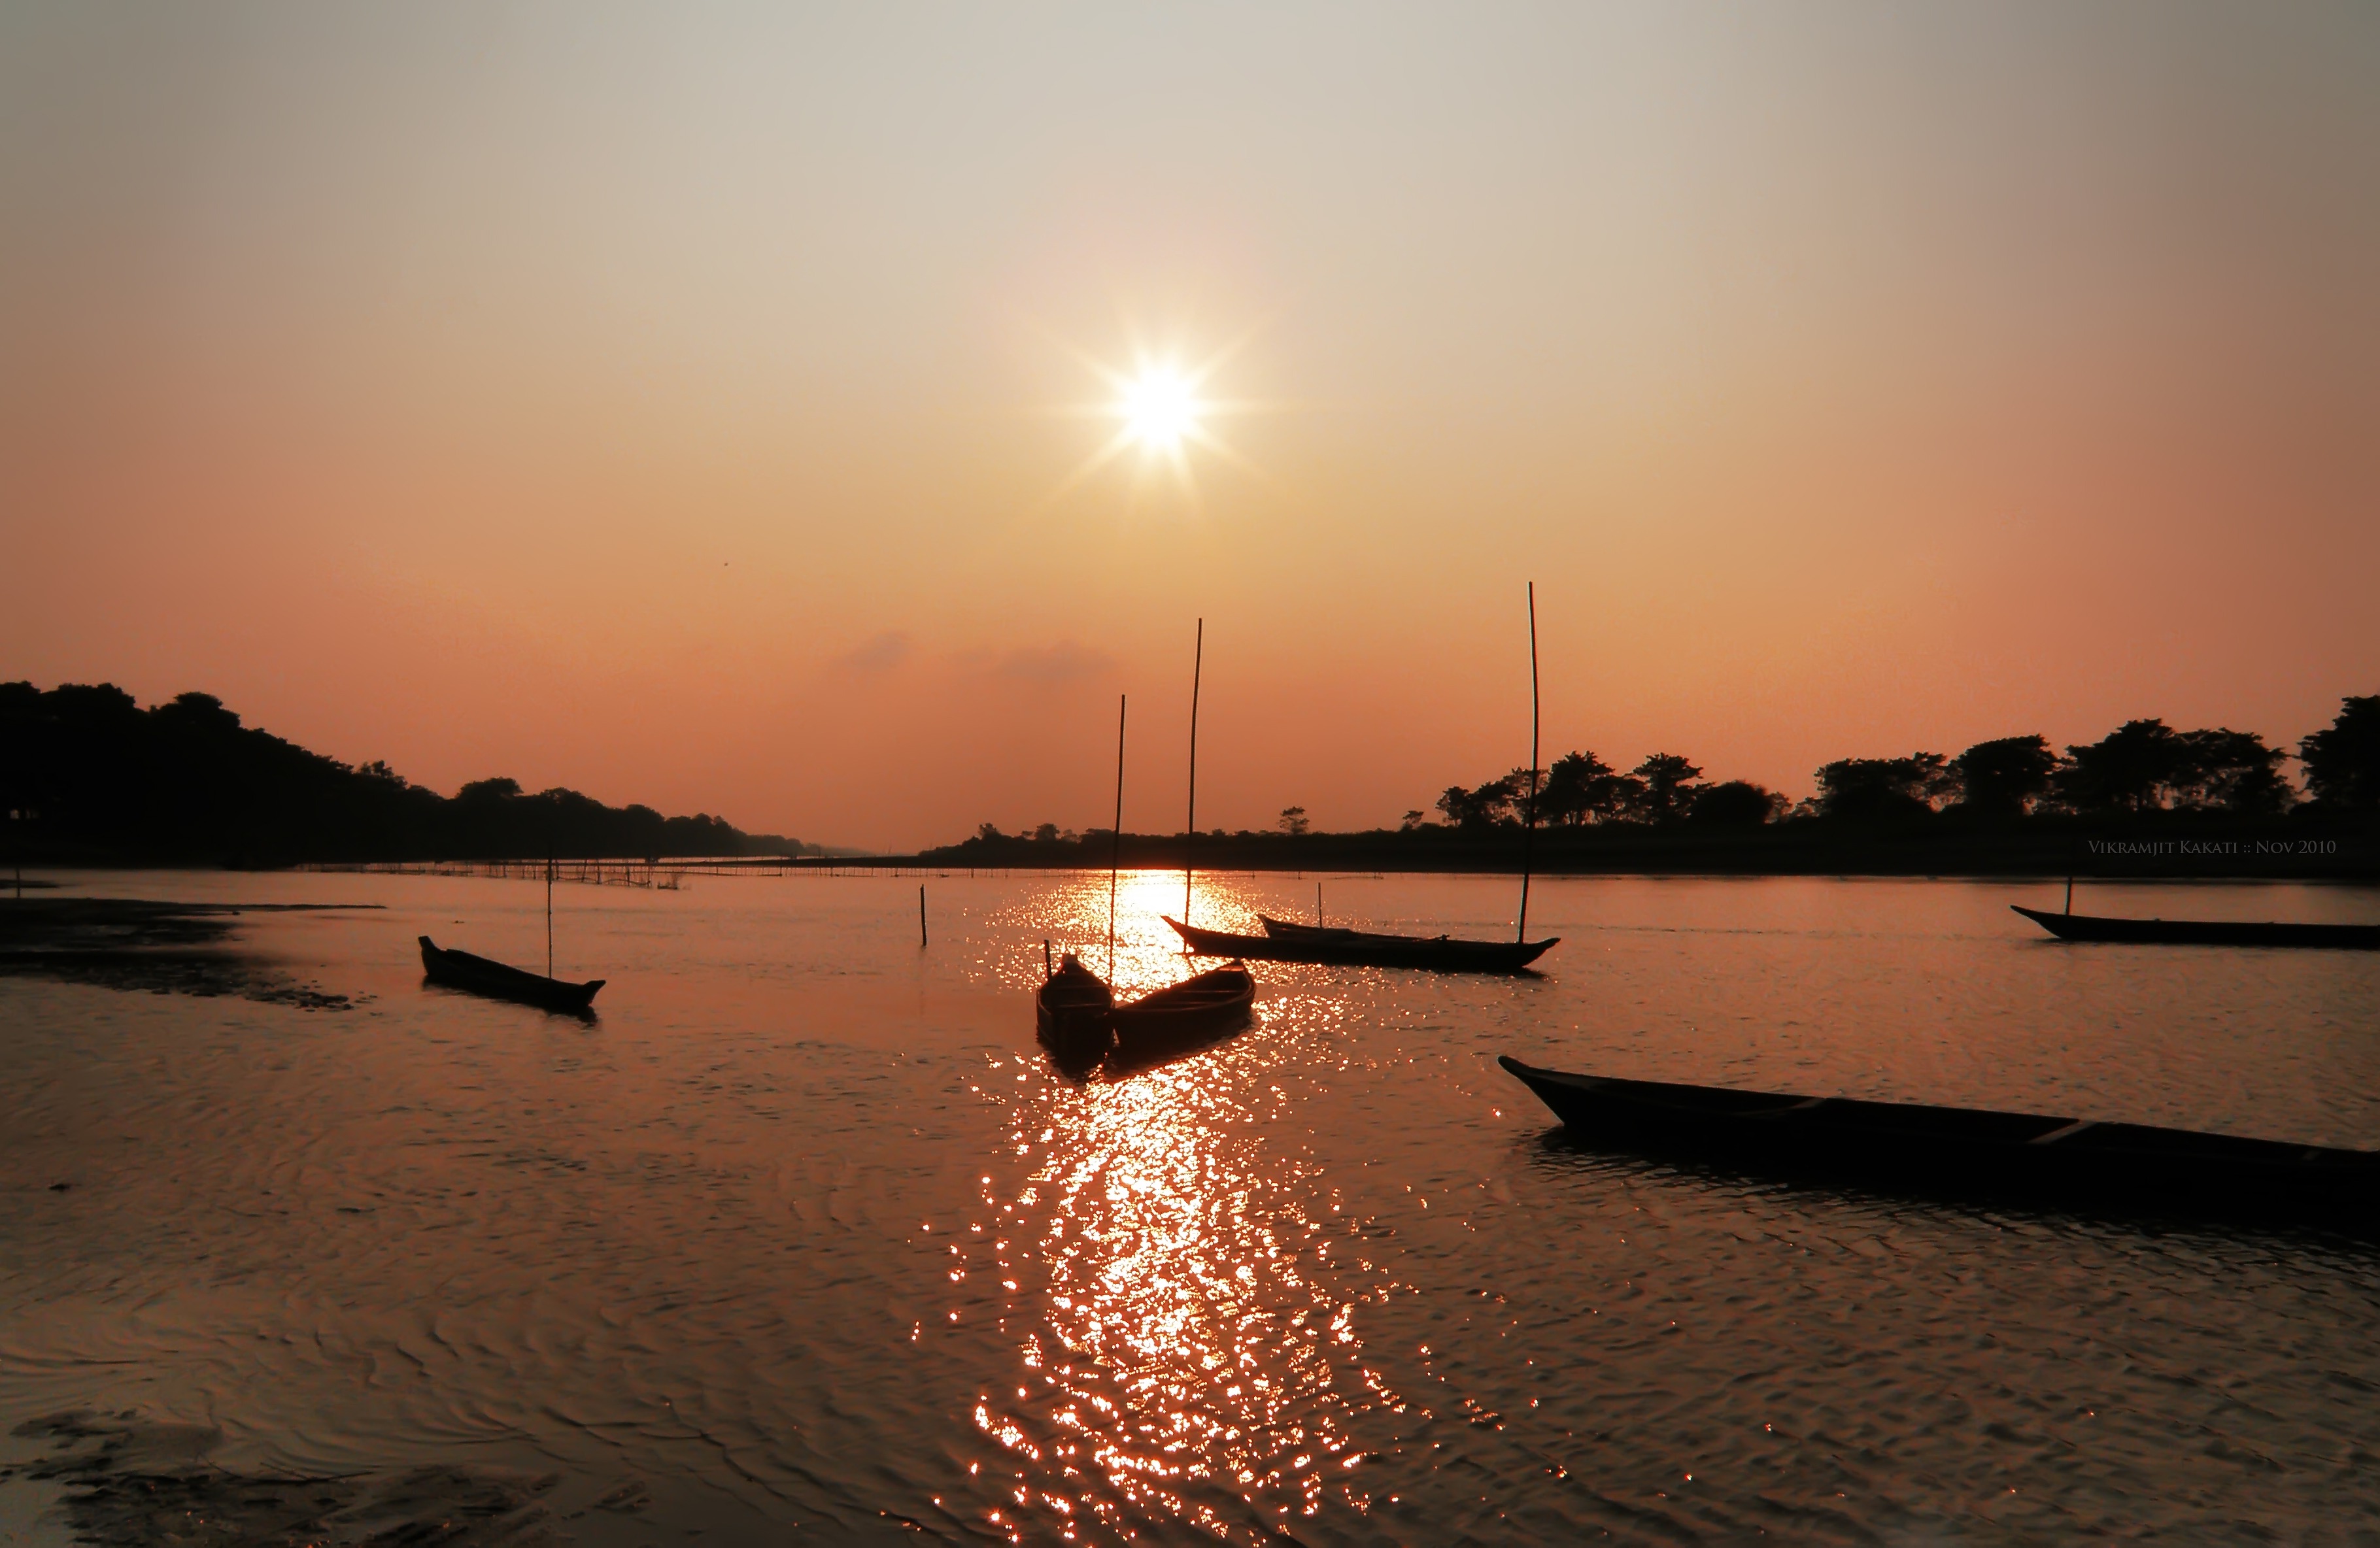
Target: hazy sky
686	402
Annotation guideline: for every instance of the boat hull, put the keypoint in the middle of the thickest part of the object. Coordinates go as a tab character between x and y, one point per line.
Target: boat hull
2202	932
494	980
1071	1011
1085	1031
1216	998
1969	1150
1355	948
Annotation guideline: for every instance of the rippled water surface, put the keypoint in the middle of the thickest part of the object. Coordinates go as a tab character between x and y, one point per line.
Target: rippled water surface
802	1231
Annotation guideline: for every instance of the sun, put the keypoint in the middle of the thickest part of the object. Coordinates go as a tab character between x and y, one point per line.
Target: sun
1164	409
1159	407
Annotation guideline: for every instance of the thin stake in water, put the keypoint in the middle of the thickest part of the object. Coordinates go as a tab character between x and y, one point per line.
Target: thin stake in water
549	914
921	917
1115	839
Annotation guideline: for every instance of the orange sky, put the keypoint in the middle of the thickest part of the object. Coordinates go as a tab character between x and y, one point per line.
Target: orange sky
670	403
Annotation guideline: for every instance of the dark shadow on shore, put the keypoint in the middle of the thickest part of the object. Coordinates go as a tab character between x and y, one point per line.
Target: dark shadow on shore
159	948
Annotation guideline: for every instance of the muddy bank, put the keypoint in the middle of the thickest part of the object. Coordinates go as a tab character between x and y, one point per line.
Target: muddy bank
129	1483
143	944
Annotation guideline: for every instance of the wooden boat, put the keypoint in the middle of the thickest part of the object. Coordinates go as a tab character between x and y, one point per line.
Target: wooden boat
1083	1029
2201	932
460	970
1218	997
1182	1019
1282	942
1902	1144
1072	1005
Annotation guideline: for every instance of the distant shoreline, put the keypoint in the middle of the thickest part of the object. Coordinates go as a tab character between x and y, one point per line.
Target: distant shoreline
2167	848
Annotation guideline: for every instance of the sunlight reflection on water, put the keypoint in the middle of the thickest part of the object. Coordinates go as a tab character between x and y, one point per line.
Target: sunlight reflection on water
805	1229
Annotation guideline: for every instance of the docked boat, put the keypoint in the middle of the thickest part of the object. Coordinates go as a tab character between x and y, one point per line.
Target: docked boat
1072	1006
2201	932
1083	1027
1216	998
1182	1019
1903	1144
1284	942
478	975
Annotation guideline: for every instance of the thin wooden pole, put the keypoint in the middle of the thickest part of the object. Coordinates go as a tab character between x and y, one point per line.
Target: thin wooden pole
2070	894
921	917
1529	833
1197	664
549	914
1115	839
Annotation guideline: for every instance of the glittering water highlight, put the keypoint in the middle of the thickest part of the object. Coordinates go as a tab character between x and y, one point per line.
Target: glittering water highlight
803	1231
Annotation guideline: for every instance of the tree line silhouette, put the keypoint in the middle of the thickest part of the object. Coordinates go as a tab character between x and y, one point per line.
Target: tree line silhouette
2141	767
86	773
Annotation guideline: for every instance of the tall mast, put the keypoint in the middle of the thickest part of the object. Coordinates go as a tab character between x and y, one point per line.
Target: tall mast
1529	833
1197	663
1115	839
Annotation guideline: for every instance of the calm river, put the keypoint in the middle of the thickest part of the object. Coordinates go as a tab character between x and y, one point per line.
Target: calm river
803	1236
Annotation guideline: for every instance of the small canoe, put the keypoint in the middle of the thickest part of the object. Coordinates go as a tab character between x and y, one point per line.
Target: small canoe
478	975
2201	932
1284	942
1072	1005
1216	998
1971	1150
1084	1028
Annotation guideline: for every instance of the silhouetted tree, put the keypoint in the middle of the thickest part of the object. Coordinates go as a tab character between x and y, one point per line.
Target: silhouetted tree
1293	820
1580	788
2003	779
2146	766
1661	789
1877	789
1735	803
2231	772
2130	769
1413	819
186	781
1489	805
2342	763
989	833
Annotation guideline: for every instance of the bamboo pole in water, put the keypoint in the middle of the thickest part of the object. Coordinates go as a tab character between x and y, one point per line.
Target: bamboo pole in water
1529	832
1115	839
1190	840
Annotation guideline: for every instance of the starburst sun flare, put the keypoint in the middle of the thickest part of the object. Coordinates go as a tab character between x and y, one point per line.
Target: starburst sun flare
1161	408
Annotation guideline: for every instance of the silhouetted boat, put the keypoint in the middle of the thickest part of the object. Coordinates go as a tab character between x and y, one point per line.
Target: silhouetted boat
1072	1006
460	970
1082	1026
1218	997
1902	1144
1284	942
2201	932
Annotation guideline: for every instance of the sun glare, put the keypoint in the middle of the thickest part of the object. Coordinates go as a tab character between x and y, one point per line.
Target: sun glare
1165	410
1159	409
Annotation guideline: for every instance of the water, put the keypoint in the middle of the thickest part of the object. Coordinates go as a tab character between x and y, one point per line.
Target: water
803	1232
